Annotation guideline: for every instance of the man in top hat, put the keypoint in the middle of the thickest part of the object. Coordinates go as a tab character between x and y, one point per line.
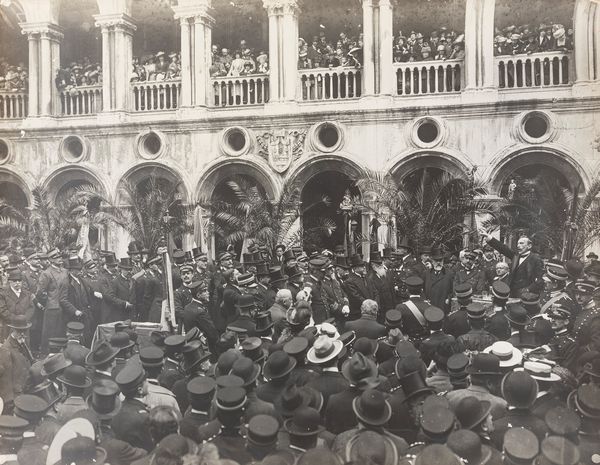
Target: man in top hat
216	286
52	280
488	264
262	284
14	300
469	271
131	423
334	297
120	297
358	287
414	324
195	362
424	262
439	282
195	314
74	295
15	361
295	279
151	309
527	268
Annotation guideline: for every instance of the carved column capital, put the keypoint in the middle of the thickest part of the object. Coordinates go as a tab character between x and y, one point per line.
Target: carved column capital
119	21
44	30
281	7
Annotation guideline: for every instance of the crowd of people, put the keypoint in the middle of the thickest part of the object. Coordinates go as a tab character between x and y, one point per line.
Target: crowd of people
416	357
444	44
78	74
324	52
244	61
13	77
513	40
158	67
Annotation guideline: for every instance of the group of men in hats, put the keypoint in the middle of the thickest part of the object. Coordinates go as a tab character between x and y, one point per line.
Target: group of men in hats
303	358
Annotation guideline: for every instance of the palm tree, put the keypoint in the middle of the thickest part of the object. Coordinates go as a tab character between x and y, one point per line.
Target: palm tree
428	209
247	214
553	216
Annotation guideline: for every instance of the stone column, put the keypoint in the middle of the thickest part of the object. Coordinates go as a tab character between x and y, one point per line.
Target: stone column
283	49
117	55
368	71
586	21
196	39
44	62
479	69
387	77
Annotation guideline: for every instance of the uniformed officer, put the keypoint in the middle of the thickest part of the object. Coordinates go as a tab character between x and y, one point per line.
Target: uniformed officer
200	391
434	317
152	361
183	294
414	324
468	271
477	338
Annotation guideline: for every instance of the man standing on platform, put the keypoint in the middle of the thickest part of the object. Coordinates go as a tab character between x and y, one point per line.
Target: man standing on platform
121	293
358	287
52	280
469	272
527	267
438	282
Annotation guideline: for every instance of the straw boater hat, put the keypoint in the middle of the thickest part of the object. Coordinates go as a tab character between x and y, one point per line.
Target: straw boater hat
509	355
324	349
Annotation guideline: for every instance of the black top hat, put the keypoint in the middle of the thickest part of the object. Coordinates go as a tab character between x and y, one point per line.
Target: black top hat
102	354
437	254
73	263
293	271
262	269
356	260
276	274
263	321
151	356
246	301
19	322
125	263
413	384
252	348
278	365
288	255
15	275
104	399
193	354
55	363
111	260
371	408
31	408
75	376
305	422
376	257
197	252
246	369
341	261
134	248
263	430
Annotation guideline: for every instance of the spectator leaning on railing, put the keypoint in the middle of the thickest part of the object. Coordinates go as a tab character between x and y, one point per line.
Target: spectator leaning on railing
324	53
79	74
13	77
440	45
513	40
242	62
157	67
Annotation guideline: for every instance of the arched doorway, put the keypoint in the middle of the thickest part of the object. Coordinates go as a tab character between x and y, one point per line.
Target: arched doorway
326	222
13	195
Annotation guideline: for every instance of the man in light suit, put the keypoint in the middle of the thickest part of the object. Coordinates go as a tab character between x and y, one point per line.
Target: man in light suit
527	269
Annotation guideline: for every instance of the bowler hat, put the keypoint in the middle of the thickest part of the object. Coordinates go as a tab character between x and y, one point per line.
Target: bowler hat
81	450
75	376
104	399
225	361
246	369
471	411
292	398
519	389
252	348
371	408
517	315
121	341
19	322
278	365
305	422
509	355
55	363
358	367
193	354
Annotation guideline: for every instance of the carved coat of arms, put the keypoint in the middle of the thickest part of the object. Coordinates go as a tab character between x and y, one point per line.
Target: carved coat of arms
280	147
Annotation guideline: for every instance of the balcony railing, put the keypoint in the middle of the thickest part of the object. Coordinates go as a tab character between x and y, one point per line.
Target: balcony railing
13	104
81	100
536	70
240	91
429	77
329	84
156	95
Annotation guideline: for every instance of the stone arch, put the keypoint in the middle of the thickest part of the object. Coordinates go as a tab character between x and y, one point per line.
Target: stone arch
108	7
511	160
41	11
19	181
586	32
60	177
307	169
452	162
223	169
140	171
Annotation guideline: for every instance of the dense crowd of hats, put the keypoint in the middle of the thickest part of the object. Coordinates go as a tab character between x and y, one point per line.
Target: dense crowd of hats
324	52
243	61
13	77
158	67
444	44
76	74
513	40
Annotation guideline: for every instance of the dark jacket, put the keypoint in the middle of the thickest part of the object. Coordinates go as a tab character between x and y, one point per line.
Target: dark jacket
339	415
477	340
475	277
120	291
457	323
438	288
195	315
366	326
525	275
11	305
514	419
358	289
328	384
319	310
410	324
385	290
131	424
429	346
245	322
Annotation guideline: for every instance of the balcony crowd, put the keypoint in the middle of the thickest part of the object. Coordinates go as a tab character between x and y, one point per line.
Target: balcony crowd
440	45
78	74
13	77
323	52
513	40
157	67
243	61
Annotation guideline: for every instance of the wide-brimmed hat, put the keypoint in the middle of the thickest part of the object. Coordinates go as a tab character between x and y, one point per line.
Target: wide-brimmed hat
278	365
305	422
55	363
509	355
371	408
81	450
292	398
323	350
103	353
19	322
517	315
358	367
104	399
540	371
75	376
471	411
519	389
246	369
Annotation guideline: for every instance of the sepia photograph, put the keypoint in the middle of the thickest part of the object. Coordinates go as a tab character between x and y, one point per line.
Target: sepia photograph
299	232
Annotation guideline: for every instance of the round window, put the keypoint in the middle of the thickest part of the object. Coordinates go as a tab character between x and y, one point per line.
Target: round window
152	144
428	132
4	152
536	126
329	135
73	148
236	140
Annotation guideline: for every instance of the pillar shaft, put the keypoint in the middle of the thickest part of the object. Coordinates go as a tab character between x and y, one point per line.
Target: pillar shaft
386	45
368	71
479	48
